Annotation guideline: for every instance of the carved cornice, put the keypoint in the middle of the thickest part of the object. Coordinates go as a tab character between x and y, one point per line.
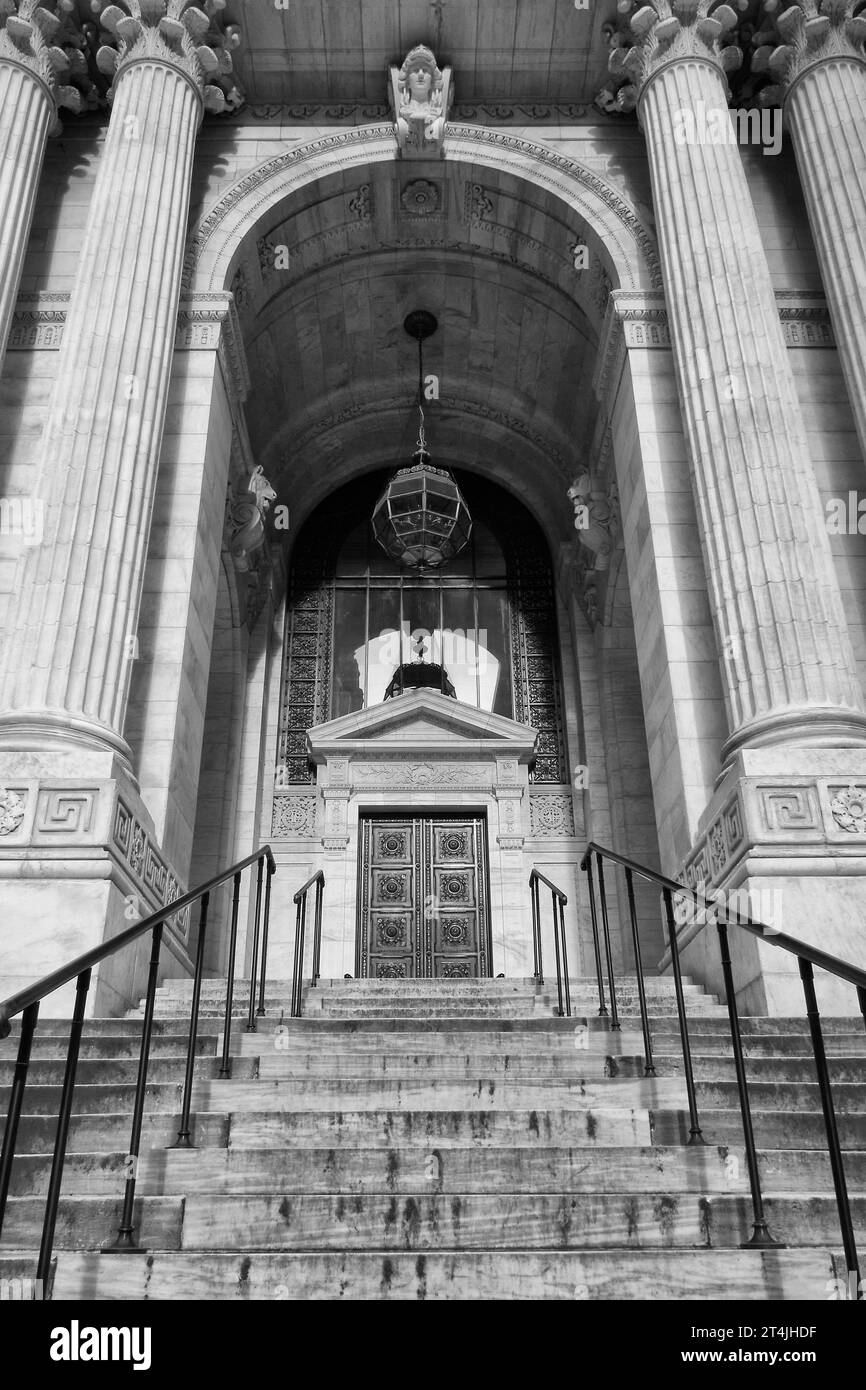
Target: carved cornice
192	40
358	113
540	157
639	319
210	321
44	37
668	31
802	37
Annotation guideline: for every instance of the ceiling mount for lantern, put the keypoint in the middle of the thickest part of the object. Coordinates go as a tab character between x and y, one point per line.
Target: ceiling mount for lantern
421	519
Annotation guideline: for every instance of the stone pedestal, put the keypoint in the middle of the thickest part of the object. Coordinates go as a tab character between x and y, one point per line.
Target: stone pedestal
783	841
79	862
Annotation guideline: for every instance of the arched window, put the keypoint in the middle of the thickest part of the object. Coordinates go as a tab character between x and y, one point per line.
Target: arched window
354	615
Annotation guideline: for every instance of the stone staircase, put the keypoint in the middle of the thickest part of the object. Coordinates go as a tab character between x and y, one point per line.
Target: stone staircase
442	1140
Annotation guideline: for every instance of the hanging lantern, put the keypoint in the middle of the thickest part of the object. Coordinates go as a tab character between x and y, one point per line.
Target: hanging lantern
421	519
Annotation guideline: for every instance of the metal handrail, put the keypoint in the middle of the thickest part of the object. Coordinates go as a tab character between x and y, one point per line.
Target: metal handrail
558	902
27	1001
807	957
300	900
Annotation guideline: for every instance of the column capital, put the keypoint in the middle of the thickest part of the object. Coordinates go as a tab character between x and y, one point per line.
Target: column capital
804	36
194	41
661	32
44	38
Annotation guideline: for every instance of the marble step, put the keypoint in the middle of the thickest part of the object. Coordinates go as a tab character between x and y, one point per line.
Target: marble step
622	1275
109	1071
537	1067
620	1169
774	1129
283	1220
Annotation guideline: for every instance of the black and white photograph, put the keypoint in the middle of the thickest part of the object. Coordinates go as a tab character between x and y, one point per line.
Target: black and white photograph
432	676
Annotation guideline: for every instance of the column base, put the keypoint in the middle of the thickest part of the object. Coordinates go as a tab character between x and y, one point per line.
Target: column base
31	731
818	728
79	863
784	841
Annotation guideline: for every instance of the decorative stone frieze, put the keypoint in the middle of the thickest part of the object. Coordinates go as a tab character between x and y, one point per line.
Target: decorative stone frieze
61	821
421	97
551	814
294	815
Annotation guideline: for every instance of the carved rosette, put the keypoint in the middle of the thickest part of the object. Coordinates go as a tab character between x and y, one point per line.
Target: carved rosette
665	31
193	40
803	36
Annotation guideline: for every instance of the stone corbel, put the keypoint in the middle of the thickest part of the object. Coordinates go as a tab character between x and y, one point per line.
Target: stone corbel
335	817
511	830
421	96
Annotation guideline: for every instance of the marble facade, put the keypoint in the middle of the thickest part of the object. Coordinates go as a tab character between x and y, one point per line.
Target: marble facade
677	327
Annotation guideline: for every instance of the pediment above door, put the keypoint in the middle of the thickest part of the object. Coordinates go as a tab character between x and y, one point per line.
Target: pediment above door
420	723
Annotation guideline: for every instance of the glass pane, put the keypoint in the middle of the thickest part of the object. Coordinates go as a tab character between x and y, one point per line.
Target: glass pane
421	623
457	643
383	656
494	652
349	632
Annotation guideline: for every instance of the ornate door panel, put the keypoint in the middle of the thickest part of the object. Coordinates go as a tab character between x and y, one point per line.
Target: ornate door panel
423	898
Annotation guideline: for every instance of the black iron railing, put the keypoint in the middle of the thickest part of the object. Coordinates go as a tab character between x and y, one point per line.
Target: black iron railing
807	957
300	901
26	1002
558	902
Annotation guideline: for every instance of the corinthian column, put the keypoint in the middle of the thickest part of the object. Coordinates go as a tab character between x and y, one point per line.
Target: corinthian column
68	664
820	70
33	69
786	658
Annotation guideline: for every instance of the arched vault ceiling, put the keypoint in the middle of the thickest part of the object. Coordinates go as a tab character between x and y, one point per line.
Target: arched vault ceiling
333	374
340	50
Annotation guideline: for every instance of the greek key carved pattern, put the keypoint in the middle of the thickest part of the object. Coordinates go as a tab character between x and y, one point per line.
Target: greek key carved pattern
146	864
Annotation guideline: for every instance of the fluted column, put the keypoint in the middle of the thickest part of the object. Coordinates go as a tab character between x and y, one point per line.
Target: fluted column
786	657
69	657
820	69
32	69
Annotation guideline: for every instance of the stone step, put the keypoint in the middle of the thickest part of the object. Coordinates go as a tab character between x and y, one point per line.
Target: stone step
350	1128
623	1275
283	1220
108	1071
609	1169
539	1068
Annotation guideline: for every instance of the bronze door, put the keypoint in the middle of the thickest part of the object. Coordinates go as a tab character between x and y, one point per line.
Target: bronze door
423	898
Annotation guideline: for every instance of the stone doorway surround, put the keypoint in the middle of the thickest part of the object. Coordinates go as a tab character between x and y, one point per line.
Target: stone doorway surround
424	752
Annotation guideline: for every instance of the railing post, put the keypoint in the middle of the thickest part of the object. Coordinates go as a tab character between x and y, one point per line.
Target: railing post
586	865
614	1016
43	1265
267	919
183	1140
562	902
225	1070
807	975
537	952
760	1231
317	933
254	964
16	1096
125	1242
695	1135
648	1066
561	1010
297	978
